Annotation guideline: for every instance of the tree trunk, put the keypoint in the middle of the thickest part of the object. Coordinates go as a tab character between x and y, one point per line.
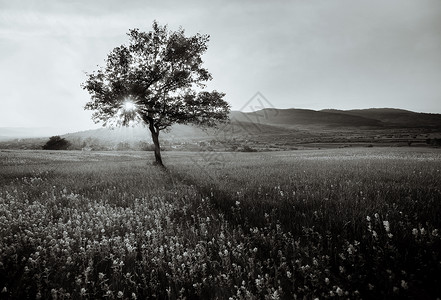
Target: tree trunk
155	137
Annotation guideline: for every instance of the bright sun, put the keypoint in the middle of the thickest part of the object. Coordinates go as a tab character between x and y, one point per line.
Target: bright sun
129	105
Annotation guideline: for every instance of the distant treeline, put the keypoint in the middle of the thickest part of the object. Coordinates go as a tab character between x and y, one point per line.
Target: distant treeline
433	142
96	144
60	143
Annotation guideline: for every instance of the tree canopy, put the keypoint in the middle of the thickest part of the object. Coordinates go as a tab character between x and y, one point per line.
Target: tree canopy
156	78
56	143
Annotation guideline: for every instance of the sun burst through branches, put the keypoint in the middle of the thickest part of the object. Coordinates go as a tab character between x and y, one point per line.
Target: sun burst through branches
129	105
128	111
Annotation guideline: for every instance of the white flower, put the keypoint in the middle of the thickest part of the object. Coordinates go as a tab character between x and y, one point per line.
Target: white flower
415	232
386	226
404	285
368	218
339	291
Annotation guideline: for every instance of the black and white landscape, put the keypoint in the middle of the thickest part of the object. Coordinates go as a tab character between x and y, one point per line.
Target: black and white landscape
220	150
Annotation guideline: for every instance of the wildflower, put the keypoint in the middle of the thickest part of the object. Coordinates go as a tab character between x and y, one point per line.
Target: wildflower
120	294
423	231
404	285
386	226
83	291
100	276
376	216
288	274
258	281
415	232
395	289
390	235
339	291
134	296
374	234
54	294
368	218
237	203
5	290
327	280
255	249
435	232
370	286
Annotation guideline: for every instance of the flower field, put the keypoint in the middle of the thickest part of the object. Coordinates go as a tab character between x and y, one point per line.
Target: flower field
313	224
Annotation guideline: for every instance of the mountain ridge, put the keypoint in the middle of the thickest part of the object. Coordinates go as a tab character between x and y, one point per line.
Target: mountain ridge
270	125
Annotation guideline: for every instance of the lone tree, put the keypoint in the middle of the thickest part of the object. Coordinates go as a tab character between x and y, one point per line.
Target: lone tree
158	79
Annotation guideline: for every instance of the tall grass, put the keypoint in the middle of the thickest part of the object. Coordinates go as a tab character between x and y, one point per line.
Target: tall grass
305	224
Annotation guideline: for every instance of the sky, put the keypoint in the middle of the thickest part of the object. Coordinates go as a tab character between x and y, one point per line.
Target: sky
315	54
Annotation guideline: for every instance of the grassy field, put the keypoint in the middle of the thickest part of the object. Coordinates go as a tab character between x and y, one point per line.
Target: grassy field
335	223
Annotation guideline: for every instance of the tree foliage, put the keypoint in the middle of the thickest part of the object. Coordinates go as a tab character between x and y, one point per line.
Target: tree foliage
160	74
56	143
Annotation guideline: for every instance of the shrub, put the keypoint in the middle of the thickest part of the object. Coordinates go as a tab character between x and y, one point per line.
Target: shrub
56	143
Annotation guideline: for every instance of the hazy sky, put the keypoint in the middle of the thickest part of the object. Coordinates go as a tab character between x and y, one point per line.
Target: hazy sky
314	54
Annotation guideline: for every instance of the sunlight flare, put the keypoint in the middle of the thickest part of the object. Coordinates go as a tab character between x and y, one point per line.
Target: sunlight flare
129	105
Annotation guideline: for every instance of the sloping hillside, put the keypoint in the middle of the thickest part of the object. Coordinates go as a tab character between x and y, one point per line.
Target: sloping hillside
292	118
395	117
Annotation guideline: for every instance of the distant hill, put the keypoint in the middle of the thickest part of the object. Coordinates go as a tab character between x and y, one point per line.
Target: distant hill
292	118
7	133
135	133
267	127
393	117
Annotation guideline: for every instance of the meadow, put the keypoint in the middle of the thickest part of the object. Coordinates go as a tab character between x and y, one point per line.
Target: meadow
352	223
